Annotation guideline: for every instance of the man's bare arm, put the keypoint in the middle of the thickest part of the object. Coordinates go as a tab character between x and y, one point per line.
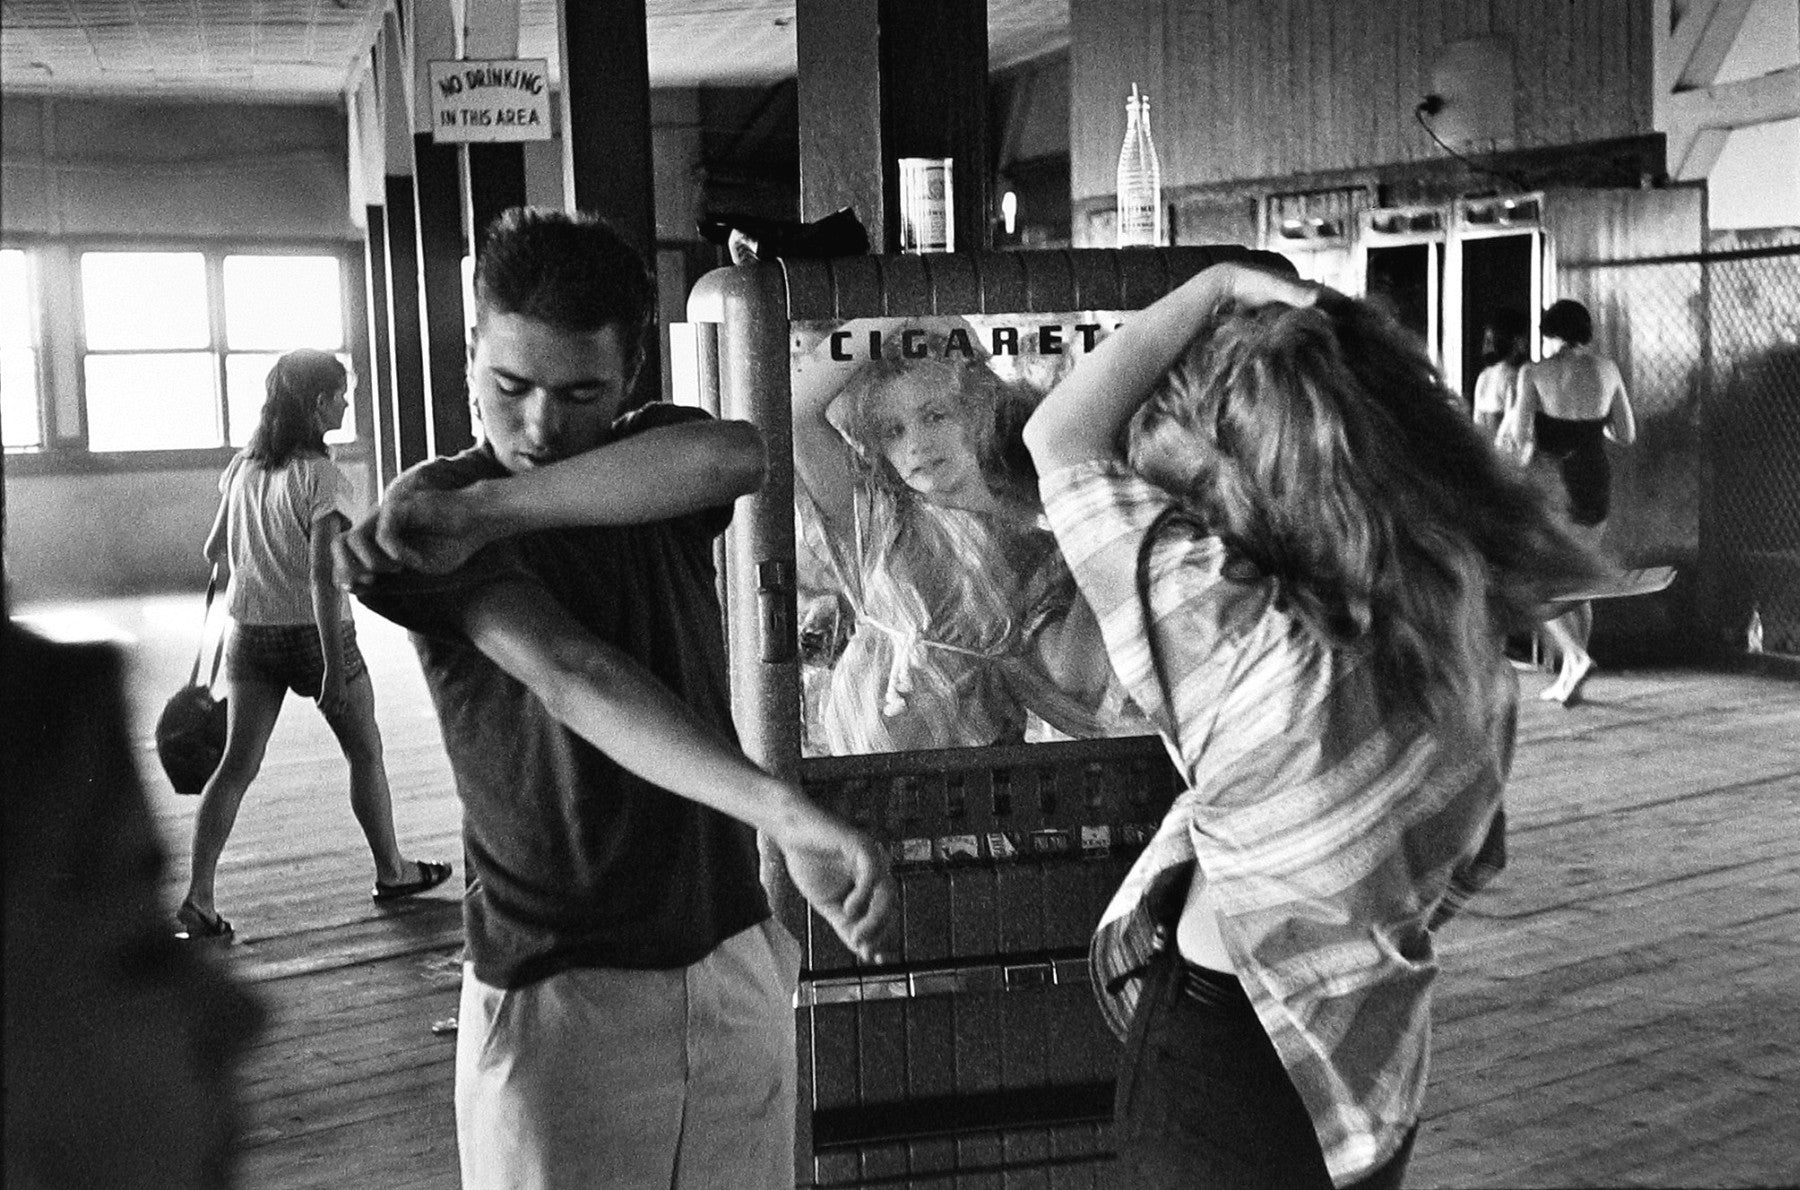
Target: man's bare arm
618	706
650	476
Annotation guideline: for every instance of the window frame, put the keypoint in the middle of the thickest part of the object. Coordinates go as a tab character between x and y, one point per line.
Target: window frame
35	320
64	449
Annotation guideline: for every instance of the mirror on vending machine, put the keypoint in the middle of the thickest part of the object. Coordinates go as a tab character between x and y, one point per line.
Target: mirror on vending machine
935	609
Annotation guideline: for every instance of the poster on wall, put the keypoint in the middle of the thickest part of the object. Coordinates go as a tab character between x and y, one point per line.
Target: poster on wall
935	609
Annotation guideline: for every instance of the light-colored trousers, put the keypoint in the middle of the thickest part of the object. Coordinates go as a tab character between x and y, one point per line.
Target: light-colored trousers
609	1079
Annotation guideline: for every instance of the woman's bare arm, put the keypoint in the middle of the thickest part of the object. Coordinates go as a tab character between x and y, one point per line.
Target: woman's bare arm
823	460
328	612
214	550
1621	423
1082	417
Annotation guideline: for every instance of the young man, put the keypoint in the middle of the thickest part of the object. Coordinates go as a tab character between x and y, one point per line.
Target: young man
626	1016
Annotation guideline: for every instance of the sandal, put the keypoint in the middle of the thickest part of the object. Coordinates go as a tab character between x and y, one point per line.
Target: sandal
430	876
198	927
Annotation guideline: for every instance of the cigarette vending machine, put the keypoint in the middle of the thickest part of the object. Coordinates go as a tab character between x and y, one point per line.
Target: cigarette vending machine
1011	806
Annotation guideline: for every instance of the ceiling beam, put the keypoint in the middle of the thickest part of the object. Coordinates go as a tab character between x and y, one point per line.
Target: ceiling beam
1699	40
1701	120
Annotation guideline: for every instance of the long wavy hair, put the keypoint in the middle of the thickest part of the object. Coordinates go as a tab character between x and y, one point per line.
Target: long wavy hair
289	422
992	409
1321	445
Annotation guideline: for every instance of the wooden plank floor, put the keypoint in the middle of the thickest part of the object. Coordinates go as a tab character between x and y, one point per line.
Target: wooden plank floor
1623	1009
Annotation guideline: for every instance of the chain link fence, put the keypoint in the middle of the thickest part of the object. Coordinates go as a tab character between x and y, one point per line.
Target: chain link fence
1750	525
1710	347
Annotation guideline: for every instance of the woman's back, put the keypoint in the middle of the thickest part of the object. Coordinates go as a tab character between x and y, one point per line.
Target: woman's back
1575	384
271	512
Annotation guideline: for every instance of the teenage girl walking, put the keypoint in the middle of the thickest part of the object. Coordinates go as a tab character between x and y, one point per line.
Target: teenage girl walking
291	629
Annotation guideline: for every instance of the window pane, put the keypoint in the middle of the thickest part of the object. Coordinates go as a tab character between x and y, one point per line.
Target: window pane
273	303
19	398
152	402
19	426
246	384
15	299
144	300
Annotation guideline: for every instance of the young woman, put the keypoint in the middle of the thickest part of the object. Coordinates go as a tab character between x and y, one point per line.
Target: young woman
1506	345
1304	568
1569	404
964	619
291	629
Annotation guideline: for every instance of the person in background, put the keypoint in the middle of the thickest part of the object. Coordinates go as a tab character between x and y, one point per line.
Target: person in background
1304	563
1505	348
1569	404
121	1044
627	1010
280	509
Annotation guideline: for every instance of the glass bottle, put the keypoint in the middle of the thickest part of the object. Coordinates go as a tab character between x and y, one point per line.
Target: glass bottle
1140	178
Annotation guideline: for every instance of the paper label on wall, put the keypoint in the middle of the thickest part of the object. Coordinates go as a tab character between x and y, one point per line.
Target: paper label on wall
491	100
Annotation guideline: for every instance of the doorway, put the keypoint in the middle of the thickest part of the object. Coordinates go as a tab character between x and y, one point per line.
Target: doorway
1405	278
1497	273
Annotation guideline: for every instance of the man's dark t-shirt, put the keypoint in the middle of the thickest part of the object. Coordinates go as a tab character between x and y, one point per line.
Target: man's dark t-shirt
577	862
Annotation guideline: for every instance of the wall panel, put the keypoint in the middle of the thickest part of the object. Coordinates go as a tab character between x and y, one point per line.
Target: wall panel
1257	91
114	167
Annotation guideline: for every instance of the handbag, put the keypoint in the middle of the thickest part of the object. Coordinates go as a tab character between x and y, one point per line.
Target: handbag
190	732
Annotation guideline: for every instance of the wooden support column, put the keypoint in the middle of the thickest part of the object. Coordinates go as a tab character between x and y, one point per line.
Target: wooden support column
496	172
884	79
496	182
368	196
408	440
380	381
438	189
442	245
412	439
606	131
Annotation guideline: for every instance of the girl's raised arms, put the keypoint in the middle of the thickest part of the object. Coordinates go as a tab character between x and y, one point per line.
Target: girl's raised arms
1082	417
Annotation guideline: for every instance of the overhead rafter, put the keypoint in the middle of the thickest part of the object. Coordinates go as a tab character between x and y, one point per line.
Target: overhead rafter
1695	112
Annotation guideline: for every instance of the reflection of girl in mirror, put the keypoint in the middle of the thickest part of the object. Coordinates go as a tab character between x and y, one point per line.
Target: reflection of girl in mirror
964	618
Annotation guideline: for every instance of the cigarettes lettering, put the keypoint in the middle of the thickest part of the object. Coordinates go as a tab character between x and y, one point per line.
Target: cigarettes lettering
1002	340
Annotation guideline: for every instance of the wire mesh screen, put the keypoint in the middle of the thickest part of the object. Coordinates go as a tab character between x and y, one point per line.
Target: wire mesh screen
1751	524
1710	346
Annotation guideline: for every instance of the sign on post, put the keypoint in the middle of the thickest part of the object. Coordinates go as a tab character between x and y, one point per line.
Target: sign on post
501	100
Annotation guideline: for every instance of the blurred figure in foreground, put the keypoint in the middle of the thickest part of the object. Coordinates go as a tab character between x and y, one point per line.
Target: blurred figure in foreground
120	1042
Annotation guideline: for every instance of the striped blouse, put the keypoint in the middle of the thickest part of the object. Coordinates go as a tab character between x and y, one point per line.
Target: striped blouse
1334	836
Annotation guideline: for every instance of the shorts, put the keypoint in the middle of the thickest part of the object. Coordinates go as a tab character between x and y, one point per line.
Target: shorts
288	656
1579	449
679	1079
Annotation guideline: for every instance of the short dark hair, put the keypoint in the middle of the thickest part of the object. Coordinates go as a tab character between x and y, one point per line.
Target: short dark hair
1569	321
570	269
